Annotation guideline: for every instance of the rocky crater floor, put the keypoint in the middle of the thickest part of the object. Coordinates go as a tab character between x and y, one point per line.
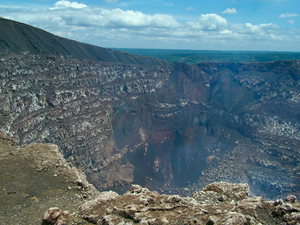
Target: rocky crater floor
171	128
39	187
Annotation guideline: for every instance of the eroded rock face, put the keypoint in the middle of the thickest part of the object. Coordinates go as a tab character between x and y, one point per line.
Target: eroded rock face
216	193
174	129
141	206
55	216
74	111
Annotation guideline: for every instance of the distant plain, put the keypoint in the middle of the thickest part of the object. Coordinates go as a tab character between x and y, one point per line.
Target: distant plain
197	56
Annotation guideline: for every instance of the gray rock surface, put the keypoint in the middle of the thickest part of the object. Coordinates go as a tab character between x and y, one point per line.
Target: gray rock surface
141	206
174	129
55	216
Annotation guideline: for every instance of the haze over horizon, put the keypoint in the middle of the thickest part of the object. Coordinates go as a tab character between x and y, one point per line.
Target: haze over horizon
255	25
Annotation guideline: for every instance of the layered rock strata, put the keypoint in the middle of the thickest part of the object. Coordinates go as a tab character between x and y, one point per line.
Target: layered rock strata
71	103
171	128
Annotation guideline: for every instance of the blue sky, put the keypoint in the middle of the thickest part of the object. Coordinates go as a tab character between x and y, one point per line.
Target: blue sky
264	25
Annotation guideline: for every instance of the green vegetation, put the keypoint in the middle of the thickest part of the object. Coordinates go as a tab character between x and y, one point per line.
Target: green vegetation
196	56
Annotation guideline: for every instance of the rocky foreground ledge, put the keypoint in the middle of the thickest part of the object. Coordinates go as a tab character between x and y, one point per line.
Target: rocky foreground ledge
37	186
218	203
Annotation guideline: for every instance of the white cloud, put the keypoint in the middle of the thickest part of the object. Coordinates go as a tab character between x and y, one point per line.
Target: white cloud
250	29
229	11
63	4
226	32
212	22
111	1
128	28
290	22
288	15
190	8
119	18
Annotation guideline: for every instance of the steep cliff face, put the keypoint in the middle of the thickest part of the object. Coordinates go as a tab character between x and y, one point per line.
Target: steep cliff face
171	128
71	103
214	122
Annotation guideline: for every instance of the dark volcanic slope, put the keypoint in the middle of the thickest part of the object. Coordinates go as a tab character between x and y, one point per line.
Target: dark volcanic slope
161	127
19	38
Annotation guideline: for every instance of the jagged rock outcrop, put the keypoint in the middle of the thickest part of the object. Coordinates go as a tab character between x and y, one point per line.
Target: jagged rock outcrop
174	129
141	206
55	216
222	192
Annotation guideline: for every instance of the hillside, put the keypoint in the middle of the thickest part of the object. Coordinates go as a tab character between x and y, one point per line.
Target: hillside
21	38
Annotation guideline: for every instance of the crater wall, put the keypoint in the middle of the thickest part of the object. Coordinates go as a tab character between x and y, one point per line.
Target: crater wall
171	128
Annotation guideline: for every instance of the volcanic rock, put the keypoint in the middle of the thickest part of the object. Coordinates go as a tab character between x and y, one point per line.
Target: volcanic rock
142	206
55	216
38	187
173	128
161	127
